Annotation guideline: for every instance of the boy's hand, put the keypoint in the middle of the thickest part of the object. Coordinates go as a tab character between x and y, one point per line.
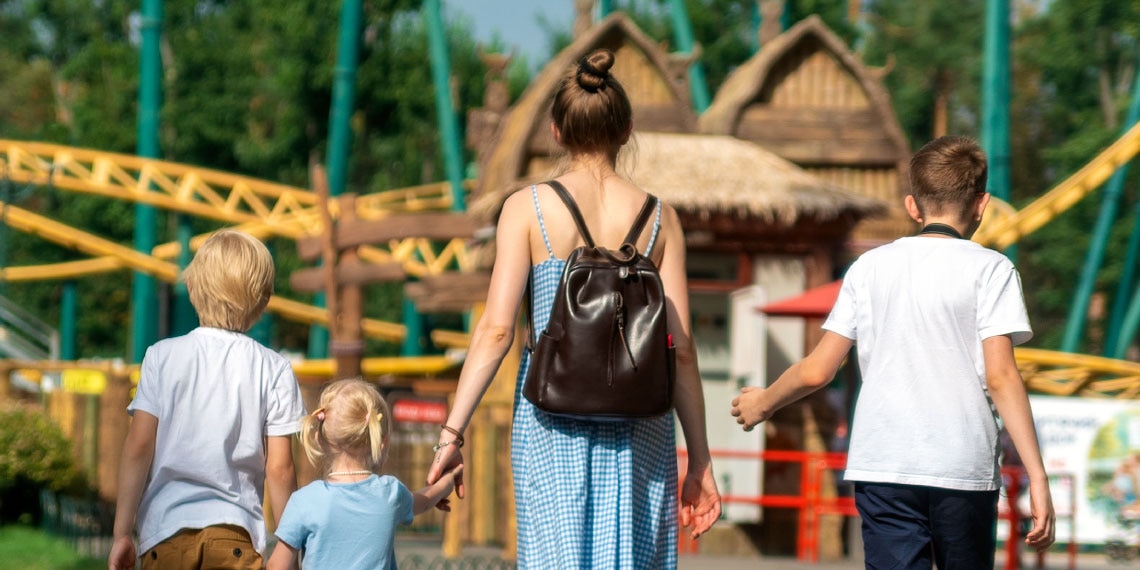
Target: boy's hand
748	407
123	554
1044	530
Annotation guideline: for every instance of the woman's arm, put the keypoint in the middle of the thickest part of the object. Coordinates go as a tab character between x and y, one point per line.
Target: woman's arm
700	500
494	334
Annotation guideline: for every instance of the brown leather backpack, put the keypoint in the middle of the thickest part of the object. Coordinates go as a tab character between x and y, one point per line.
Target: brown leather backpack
606	353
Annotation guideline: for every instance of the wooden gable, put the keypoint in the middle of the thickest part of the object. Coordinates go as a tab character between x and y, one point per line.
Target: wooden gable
805	97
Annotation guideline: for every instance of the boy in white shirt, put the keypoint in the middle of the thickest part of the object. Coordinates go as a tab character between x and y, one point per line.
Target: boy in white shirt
213	419
935	318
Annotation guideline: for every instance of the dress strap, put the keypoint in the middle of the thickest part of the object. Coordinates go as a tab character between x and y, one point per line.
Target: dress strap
656	228
541	224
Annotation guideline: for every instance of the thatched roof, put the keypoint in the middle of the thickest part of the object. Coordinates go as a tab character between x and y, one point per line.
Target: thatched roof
747	83
721	174
713	174
526	123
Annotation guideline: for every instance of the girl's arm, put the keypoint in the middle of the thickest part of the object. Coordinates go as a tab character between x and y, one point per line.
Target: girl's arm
700	500
494	334
436	493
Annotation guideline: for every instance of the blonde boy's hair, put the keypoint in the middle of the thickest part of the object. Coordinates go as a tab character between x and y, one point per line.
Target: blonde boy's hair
230	280
947	174
352	418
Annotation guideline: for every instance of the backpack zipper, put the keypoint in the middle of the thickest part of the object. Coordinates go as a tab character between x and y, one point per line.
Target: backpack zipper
619	322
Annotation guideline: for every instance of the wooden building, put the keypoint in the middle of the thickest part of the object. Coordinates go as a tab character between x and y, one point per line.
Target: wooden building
805	97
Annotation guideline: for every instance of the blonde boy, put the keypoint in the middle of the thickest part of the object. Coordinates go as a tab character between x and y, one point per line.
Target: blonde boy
935	318
213	417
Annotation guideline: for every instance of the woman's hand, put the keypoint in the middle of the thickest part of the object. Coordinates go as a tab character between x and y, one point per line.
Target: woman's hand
700	500
447	459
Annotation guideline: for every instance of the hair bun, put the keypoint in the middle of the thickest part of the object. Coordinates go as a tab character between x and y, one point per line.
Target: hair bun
594	69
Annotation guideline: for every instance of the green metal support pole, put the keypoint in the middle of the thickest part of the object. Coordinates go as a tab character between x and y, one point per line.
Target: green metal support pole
444	110
340	131
605	8
1128	277
68	313
1129	325
185	318
683	35
757	19
995	100
144	299
6	198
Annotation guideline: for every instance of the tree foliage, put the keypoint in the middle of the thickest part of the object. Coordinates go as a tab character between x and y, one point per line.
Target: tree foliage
246	88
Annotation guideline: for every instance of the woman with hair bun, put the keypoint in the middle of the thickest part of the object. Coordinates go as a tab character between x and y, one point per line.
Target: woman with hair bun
588	494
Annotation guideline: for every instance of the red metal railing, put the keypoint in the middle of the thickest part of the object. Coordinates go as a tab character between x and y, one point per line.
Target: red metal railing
812	505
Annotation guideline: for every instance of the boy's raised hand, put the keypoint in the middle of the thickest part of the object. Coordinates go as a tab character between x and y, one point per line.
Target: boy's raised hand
747	408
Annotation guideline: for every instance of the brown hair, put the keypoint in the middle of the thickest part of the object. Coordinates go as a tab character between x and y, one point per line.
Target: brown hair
591	109
947	174
352	418
230	280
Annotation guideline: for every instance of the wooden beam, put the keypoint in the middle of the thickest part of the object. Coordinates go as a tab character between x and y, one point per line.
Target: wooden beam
352	233
312	279
449	292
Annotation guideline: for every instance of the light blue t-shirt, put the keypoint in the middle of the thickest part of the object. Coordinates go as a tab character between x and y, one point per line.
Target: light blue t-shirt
347	525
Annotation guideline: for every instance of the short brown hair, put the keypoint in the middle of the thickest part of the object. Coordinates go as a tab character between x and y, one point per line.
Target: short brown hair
947	174
591	109
230	280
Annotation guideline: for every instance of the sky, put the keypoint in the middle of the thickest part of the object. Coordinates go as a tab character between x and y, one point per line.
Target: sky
515	22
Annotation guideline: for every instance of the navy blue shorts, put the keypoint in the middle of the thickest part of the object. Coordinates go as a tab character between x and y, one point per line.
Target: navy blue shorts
911	527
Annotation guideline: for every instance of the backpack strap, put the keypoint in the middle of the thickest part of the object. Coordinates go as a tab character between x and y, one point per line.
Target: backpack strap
647	210
564	194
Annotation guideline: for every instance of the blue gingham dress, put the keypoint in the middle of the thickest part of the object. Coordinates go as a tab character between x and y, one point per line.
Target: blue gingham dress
600	495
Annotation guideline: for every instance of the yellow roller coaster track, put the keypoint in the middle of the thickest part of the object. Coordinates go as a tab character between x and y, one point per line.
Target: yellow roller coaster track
261	208
1005	231
272	209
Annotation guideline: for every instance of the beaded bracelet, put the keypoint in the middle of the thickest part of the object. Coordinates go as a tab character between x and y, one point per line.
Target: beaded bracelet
458	436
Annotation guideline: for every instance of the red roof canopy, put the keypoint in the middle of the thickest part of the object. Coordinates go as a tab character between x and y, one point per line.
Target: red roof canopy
815	302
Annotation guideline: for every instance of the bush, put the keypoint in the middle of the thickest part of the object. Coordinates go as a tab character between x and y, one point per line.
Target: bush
34	455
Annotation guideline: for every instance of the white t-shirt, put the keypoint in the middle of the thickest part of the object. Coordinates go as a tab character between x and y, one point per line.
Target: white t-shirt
918	310
217	394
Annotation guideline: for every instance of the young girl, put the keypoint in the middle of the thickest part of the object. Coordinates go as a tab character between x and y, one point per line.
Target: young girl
348	519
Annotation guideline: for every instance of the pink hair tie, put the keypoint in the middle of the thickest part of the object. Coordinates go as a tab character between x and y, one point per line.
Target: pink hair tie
319	413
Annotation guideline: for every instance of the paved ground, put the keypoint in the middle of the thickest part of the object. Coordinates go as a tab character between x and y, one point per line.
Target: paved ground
416	554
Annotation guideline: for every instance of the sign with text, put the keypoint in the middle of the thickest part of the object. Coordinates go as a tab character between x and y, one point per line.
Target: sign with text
1091	449
419	411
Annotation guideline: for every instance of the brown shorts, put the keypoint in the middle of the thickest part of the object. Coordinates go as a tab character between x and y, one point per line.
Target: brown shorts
220	547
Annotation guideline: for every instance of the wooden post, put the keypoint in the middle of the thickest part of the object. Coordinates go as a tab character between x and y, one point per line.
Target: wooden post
114	423
347	346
